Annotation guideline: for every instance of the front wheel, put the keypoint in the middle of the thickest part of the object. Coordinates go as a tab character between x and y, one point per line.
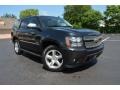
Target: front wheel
53	58
17	47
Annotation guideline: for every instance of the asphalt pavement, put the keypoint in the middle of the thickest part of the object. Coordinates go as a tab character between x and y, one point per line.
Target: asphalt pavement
27	69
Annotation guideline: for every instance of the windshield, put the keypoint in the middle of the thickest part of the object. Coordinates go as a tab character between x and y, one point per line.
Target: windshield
50	21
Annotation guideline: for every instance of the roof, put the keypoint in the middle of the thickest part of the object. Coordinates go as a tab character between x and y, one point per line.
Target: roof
37	16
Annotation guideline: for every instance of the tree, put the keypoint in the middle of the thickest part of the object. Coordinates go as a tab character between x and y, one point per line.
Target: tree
91	19
73	14
9	16
82	16
28	12
112	19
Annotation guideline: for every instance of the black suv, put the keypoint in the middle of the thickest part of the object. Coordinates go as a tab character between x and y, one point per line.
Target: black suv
54	39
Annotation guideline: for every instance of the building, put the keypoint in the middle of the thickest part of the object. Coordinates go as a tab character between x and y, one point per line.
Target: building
6	24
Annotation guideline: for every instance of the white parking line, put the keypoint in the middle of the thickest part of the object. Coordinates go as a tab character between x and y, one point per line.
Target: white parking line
114	40
5	36
105	39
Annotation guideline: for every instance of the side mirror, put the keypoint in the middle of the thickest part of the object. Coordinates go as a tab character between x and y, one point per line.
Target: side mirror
32	26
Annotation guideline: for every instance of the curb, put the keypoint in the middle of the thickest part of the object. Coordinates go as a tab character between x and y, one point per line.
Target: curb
5	36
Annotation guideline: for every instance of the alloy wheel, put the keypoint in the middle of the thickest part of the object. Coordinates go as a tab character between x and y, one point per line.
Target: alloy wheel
54	59
16	47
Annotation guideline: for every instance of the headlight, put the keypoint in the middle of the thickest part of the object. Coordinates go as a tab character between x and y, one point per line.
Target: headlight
73	42
76	39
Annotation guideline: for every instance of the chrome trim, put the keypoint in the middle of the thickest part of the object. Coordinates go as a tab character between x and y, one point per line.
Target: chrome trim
29	42
87	38
92	41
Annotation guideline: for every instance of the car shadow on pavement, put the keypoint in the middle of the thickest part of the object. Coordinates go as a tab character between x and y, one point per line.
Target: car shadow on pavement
66	70
32	57
80	68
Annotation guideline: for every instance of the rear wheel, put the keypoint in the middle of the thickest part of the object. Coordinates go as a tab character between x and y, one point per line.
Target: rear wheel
53	58
17	47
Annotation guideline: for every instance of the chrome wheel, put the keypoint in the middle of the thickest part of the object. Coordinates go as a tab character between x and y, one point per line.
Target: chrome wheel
16	47
54	59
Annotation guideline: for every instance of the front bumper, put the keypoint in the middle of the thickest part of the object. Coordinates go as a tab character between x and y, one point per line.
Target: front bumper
73	58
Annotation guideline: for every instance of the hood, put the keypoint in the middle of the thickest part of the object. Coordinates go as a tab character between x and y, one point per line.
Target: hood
78	32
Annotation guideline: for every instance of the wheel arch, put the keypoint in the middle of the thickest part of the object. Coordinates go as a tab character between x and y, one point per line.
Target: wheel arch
49	42
14	38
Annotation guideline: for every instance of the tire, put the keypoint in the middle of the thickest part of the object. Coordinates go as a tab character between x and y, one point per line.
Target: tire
17	47
53	59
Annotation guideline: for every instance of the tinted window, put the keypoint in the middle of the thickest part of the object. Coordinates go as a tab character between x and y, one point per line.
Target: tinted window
50	21
34	20
24	23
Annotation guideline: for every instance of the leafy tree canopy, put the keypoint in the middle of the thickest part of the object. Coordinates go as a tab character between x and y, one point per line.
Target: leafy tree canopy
9	16
29	12
112	18
112	15
91	19
82	16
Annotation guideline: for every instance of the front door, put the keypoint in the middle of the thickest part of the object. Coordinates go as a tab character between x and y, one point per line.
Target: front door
30	37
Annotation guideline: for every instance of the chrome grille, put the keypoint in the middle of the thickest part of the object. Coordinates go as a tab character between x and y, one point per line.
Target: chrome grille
92	41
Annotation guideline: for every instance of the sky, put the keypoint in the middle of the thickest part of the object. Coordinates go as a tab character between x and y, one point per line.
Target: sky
51	10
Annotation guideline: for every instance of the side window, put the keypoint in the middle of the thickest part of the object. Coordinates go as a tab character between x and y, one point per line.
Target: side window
24	23
34	20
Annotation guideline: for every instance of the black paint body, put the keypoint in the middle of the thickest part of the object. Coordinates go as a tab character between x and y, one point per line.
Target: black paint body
36	39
